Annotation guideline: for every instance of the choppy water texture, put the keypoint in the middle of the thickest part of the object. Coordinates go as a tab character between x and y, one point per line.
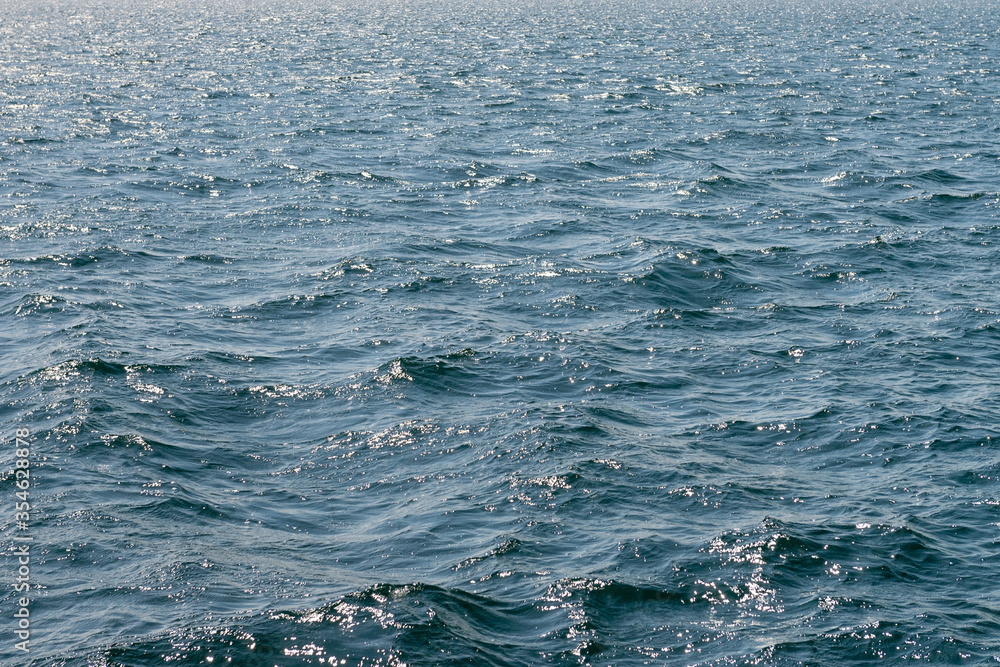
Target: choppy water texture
555	333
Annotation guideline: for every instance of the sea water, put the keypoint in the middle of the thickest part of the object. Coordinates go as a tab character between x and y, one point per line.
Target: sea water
568	332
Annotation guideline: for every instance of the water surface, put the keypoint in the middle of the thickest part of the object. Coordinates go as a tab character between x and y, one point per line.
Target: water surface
546	333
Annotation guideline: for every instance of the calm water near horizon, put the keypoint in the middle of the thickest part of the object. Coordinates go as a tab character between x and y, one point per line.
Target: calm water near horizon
543	333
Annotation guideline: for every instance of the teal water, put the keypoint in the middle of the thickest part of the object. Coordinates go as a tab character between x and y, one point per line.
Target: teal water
546	333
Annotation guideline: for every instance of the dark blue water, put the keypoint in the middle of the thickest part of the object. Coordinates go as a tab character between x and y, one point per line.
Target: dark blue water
546	333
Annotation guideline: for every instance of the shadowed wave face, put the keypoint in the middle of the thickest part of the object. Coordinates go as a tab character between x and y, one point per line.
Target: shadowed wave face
577	333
